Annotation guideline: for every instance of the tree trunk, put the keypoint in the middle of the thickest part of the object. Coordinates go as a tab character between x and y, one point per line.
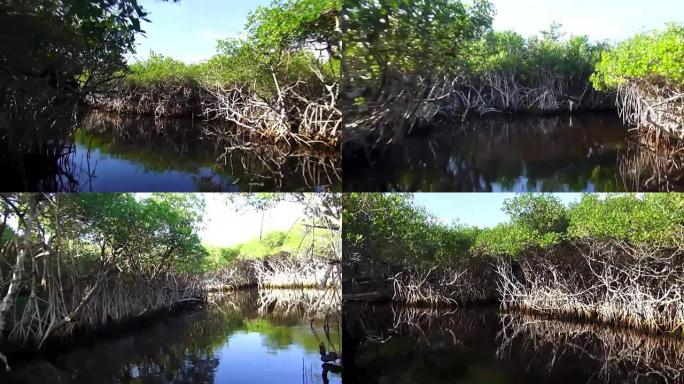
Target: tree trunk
17	272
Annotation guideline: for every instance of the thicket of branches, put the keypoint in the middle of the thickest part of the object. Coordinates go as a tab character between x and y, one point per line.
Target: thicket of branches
75	262
646	72
616	259
280	82
413	63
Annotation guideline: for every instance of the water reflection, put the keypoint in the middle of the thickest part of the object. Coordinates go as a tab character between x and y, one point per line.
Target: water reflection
503	153
236	339
111	152
481	345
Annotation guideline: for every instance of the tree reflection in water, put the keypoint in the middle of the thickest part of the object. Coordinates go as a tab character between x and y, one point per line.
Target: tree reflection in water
585	152
199	347
93	151
399	344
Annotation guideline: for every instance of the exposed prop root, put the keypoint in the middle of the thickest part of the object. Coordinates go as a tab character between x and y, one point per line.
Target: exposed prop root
239	274
285	271
167	100
444	287
405	102
659	107
89	305
606	281
290	117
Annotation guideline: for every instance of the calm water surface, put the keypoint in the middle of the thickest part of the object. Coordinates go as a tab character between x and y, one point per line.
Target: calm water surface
114	153
523	153
249	337
385	344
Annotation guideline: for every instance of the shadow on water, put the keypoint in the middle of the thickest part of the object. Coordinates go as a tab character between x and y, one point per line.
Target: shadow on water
243	337
585	152
386	344
109	152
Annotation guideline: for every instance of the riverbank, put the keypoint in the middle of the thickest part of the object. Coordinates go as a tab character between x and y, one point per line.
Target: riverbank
310	303
288	118
615	260
277	271
606	282
159	154
188	345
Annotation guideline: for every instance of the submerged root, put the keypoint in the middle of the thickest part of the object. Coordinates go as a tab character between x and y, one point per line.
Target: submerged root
653	163
615	354
318	165
309	303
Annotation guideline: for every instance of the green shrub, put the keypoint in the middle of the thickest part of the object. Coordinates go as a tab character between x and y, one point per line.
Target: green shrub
653	218
656	56
159	70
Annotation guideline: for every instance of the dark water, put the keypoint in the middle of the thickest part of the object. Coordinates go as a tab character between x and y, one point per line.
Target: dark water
523	153
249	337
113	153
409	345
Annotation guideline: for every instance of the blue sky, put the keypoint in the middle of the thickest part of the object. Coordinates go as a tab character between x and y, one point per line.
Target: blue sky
474	209
188	30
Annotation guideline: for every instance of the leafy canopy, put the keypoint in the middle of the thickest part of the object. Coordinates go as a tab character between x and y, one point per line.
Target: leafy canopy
656	56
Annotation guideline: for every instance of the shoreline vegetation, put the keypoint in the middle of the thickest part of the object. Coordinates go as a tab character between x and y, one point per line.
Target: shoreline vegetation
280	83
613	261
79	264
413	66
277	85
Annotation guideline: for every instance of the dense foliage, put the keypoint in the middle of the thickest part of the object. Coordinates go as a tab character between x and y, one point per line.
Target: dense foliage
528	59
294	242
420	37
67	39
414	63
656	57
390	227
415	36
140	236
283	46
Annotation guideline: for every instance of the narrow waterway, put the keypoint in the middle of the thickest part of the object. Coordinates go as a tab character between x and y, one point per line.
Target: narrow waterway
243	337
117	153
580	153
387	344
